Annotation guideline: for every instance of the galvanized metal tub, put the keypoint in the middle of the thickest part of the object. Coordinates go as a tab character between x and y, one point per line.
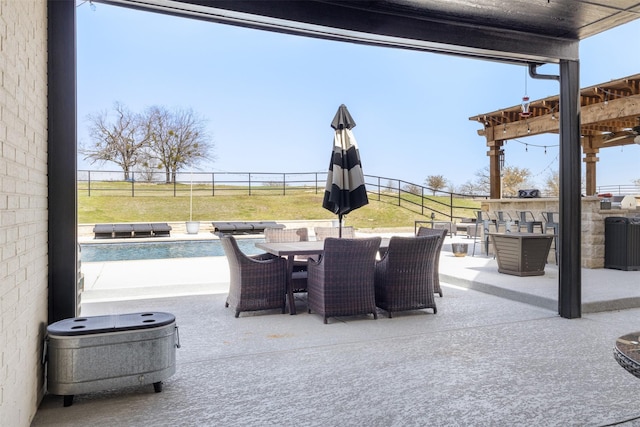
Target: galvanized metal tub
88	354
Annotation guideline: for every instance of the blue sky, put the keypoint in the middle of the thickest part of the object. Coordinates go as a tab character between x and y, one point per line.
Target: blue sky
269	98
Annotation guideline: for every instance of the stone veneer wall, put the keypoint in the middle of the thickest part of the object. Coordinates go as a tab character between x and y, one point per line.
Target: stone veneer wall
23	207
592	242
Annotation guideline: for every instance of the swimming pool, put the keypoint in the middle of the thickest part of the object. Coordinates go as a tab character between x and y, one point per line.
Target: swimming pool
100	252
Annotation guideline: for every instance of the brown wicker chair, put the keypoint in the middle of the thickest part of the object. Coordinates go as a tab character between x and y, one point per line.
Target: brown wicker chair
442	233
404	275
276	235
257	282
279	235
324	232
341	282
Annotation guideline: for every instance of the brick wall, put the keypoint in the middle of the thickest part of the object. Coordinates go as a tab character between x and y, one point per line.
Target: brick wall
23	207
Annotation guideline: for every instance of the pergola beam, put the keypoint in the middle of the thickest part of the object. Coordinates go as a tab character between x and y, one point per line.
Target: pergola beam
616	110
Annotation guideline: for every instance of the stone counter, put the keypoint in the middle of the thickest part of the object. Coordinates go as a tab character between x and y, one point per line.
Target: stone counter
592	242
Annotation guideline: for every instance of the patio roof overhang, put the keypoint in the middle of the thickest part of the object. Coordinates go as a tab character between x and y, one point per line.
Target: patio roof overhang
519	31
608	111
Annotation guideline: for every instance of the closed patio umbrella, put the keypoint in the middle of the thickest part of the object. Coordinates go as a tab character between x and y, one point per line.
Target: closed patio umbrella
345	190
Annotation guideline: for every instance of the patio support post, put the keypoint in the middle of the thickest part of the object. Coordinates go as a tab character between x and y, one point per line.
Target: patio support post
61	161
569	260
495	149
590	160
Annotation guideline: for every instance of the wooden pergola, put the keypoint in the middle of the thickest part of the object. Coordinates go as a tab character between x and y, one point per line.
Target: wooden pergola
609	111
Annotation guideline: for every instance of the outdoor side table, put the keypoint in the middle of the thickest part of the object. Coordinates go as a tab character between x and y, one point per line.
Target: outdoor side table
627	353
521	254
89	354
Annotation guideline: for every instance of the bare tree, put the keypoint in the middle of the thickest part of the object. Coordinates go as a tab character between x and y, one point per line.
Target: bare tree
513	179
471	188
482	183
552	184
178	138
119	138
413	189
435	183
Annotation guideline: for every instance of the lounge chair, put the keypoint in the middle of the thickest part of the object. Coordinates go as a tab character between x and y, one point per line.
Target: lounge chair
161	229
243	227
142	230
122	230
103	231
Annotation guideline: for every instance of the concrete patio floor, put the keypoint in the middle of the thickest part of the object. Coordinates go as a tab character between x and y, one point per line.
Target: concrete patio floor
496	354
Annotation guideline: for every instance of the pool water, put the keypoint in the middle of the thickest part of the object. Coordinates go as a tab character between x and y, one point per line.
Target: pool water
99	252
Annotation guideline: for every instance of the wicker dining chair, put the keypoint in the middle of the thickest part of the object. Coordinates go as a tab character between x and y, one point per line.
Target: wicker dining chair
441	233
404	275
256	282
341	281
277	235
324	232
283	235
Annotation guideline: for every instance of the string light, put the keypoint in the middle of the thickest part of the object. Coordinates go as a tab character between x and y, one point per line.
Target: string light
608	95
527	145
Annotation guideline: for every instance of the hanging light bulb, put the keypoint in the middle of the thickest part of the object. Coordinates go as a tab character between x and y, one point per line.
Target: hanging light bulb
525	107
525	100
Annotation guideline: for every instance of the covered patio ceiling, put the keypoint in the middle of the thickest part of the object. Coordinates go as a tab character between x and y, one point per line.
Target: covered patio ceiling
521	31
609	112
515	31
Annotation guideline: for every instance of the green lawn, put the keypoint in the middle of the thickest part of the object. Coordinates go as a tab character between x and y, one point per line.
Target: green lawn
158	203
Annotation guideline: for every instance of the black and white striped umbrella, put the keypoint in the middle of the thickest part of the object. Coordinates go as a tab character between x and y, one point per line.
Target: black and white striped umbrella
345	190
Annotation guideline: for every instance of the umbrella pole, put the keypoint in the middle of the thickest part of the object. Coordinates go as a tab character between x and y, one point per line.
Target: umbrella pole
340	226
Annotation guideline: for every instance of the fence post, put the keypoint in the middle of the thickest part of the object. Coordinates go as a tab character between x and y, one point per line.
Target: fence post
399	195
284	183
89	184
213	184
451	206
422	199
249	184
133	184
316	176
174	186
379	195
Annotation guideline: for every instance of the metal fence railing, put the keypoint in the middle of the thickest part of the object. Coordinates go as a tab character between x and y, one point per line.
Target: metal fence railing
420	199
619	190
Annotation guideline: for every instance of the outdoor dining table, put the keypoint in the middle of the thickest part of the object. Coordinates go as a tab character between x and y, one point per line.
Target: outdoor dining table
289	250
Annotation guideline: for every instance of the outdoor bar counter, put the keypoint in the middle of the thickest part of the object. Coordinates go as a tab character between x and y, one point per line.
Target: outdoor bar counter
593	219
